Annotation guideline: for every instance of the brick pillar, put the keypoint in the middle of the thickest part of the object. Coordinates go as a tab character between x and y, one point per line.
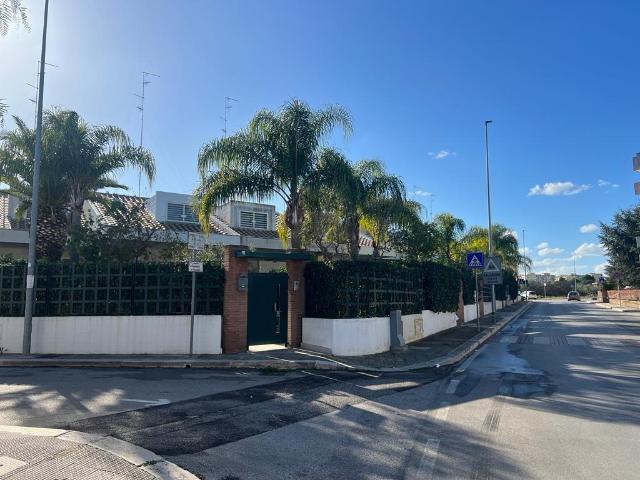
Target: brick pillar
460	311
234	318
295	269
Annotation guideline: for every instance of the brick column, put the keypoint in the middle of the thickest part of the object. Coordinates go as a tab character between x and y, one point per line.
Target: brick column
295	269
234	318
460	311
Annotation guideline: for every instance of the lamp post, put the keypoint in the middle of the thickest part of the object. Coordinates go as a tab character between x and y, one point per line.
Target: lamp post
524	261
486	150
33	224
575	278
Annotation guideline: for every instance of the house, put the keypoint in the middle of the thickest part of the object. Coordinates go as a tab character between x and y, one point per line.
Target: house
170	215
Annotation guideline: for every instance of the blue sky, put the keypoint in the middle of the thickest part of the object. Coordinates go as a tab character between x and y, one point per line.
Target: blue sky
558	79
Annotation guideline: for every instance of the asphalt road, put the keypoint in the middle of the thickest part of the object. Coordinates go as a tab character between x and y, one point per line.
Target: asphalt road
555	395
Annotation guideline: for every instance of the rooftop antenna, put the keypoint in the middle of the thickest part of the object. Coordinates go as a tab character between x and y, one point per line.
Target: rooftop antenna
227	107
34	100
140	107
431	195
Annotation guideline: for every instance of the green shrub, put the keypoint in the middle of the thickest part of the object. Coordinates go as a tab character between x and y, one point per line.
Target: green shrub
441	287
509	285
362	288
468	286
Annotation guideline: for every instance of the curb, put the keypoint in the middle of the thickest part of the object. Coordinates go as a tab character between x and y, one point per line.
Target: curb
616	309
279	364
138	456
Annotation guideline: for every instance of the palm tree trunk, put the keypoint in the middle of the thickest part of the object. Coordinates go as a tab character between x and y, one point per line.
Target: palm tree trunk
75	223
52	234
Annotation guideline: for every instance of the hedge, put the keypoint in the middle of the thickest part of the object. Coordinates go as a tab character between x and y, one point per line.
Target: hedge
468	286
363	288
441	287
145	288
509	284
371	288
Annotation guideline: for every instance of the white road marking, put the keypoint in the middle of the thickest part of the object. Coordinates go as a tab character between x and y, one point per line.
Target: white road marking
453	384
509	339
468	361
442	412
575	341
8	464
150	403
428	459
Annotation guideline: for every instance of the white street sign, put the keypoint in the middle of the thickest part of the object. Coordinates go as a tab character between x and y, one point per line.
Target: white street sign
195	267
196	241
492	273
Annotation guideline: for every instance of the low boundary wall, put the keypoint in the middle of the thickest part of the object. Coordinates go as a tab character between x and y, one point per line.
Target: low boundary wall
365	336
124	335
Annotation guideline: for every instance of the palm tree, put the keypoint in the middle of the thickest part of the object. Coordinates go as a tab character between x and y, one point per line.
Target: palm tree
78	160
505	245
375	199
277	153
12	11
449	230
383	216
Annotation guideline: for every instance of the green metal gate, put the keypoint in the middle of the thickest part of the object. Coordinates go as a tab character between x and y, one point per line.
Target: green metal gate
267	308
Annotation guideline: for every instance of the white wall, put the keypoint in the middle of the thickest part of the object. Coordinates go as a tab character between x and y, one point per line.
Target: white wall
470	313
346	336
166	334
437	322
487	308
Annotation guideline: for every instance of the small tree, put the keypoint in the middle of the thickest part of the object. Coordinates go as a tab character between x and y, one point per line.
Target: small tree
618	240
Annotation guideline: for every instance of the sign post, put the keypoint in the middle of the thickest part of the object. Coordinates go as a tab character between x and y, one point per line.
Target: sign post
492	275
475	261
195	244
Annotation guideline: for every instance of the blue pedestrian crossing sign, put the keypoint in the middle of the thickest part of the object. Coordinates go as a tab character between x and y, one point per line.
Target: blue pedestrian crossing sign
475	260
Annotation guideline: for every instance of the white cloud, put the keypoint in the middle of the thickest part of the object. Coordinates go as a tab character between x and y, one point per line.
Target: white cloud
606	183
560	266
557	188
513	233
588	250
588	228
442	154
600	268
421	193
544	249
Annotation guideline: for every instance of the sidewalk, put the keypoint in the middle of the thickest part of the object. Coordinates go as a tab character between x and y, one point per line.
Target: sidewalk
441	349
615	306
47	454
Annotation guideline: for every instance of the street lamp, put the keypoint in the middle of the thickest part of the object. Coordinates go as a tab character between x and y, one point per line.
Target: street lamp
524	261
33	224
575	277
486	150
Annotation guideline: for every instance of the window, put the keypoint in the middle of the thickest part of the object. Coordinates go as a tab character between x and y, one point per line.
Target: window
177	212
254	220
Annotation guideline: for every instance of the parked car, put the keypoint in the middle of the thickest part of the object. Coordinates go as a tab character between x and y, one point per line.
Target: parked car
529	295
573	295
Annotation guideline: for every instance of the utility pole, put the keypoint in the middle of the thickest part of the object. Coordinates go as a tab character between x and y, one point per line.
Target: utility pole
33	224
575	278
486	149
145	82
524	261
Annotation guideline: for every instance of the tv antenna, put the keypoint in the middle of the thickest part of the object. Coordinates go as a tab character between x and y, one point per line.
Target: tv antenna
227	107
431	195
35	87
140	107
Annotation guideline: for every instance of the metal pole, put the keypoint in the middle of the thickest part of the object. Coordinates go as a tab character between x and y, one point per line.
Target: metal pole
524	252
477	301
486	149
35	190
193	305
619	298
575	278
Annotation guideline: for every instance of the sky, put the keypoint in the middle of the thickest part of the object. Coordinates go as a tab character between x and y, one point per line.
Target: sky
557	79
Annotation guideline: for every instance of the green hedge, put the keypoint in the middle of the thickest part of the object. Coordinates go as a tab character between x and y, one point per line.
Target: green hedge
509	284
145	288
363	288
371	288
468	286
441	287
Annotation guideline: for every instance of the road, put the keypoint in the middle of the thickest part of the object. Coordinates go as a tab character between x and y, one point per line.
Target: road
555	395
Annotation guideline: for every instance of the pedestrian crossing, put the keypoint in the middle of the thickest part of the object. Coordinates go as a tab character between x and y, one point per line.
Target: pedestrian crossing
566	340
